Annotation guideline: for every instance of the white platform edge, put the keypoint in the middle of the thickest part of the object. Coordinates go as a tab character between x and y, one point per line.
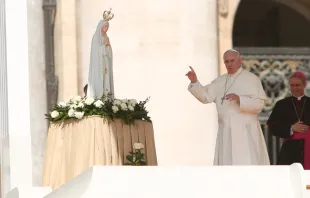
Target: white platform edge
32	192
298	177
82	182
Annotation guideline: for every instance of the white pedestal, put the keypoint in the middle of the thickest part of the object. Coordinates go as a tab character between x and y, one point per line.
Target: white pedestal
34	192
16	159
16	162
194	181
307	181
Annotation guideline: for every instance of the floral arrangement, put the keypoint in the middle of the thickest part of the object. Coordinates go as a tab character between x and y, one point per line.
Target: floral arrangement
78	108
136	157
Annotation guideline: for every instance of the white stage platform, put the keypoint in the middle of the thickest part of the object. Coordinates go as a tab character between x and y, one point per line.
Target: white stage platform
307	180
187	182
181	182
34	192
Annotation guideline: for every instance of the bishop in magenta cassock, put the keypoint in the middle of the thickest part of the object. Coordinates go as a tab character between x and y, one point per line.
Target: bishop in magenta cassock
290	120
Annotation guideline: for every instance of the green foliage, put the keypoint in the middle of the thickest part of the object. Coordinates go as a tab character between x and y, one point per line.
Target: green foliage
136	158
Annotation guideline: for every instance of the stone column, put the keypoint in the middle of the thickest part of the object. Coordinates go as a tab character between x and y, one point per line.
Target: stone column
225	17
4	129
15	93
3	76
153	43
65	49
38	92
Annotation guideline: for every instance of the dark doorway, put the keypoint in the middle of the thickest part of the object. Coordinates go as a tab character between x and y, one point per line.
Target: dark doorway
268	23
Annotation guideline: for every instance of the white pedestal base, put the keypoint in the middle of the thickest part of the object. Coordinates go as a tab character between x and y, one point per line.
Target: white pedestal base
307	181
34	192
194	181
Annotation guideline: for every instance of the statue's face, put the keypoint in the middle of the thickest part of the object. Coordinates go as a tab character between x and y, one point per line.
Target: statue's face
104	28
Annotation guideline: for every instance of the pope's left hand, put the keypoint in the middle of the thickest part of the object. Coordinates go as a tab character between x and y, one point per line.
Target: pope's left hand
232	97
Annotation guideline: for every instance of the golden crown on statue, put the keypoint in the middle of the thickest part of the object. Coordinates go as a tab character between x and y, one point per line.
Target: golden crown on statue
108	15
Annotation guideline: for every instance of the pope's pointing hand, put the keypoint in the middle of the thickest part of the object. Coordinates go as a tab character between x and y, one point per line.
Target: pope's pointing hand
192	75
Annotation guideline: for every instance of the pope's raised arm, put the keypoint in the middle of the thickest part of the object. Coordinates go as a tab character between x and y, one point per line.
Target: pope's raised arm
205	94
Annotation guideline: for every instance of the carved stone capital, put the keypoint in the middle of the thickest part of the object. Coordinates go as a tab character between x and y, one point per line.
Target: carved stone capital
223	7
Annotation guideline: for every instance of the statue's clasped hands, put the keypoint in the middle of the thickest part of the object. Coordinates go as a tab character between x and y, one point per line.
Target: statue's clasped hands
107	42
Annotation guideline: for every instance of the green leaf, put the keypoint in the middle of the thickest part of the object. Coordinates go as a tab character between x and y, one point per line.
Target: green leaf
129	158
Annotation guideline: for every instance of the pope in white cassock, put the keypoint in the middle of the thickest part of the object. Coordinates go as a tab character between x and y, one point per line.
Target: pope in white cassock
100	75
239	97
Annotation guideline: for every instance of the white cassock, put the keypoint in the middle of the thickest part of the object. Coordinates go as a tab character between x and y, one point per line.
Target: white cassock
240	140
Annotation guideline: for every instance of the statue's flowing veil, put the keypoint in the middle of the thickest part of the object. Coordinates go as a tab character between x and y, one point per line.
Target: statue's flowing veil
95	74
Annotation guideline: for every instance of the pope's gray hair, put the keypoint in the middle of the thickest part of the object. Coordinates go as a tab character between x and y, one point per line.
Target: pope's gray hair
231	50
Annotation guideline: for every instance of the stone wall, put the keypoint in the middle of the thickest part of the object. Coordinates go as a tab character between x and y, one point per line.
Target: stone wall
38	100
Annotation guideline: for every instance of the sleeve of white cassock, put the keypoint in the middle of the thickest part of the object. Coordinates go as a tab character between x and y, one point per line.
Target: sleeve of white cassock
205	94
254	104
250	104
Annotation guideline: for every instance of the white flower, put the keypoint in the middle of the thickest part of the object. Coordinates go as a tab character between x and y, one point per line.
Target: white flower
98	103
79	115
115	109
55	114
131	108
77	98
124	101
133	102
71	102
81	105
138	146
117	102
71	113
89	101
62	104
73	106
124	107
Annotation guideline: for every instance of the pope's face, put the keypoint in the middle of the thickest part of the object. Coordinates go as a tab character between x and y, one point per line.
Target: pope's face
297	86
232	62
104	28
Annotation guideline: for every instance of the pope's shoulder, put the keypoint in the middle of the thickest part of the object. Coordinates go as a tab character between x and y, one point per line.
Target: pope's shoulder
244	72
220	78
250	74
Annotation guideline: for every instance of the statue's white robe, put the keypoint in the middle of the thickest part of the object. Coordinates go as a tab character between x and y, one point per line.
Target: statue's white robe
100	74
240	140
